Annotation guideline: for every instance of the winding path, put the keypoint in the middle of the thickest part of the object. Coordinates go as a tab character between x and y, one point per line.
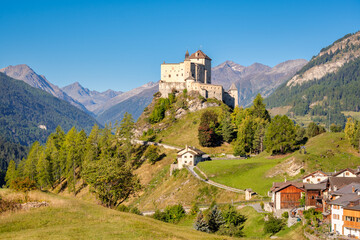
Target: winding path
191	170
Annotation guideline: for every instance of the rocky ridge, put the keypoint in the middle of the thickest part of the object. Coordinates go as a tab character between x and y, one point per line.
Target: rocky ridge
345	50
254	79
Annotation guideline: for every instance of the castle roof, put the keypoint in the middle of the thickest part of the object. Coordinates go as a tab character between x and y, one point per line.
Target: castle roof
199	54
233	87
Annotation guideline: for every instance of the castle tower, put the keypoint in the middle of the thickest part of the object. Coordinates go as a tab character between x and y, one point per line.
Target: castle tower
233	92
187	55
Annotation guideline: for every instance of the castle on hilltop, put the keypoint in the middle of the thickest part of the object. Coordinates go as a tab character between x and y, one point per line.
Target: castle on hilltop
194	74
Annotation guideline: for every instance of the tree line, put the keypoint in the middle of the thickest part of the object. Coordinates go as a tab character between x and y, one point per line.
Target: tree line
103	160
252	130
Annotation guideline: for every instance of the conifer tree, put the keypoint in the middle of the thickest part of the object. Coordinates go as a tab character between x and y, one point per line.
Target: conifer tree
215	219
29	169
43	171
280	135
200	223
70	148
11	173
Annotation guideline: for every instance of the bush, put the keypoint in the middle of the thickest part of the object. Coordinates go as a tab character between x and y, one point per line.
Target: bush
285	215
158	215
231	230
135	210
335	128
152	154
262	205
174	213
194	209
273	225
122	208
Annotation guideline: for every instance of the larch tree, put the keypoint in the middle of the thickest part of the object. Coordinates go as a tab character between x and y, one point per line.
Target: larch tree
11	173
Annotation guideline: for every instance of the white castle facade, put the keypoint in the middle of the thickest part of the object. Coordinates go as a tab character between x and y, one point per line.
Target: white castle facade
194	74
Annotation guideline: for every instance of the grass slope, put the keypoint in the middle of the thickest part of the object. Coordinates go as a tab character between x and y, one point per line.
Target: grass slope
328	152
185	131
160	189
69	218
242	173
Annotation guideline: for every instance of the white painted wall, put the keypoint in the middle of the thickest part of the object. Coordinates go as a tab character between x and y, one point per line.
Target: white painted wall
337	224
315	178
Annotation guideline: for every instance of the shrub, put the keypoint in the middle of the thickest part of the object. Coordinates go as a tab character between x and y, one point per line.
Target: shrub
158	215
335	128
122	208
273	225
174	213
285	215
231	230
262	205
135	210
152	154
194	209
231	216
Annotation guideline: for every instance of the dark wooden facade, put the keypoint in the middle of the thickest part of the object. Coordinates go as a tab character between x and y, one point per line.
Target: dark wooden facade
290	197
314	198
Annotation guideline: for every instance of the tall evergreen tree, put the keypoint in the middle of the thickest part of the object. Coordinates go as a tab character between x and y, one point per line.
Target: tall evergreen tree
43	177
70	149
29	169
11	173
280	135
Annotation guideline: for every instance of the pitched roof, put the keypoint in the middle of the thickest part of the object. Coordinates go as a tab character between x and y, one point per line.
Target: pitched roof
348	189
319	186
318	171
277	186
345	199
199	54
340	182
343	170
233	87
193	150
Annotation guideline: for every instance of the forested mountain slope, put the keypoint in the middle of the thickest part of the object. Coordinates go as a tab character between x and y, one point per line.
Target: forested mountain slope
24	73
329	83
28	114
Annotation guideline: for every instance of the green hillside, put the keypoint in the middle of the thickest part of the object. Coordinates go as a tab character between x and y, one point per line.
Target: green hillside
23	108
327	152
334	92
69	218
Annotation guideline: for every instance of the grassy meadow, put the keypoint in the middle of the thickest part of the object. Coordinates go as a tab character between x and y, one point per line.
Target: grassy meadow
328	152
70	218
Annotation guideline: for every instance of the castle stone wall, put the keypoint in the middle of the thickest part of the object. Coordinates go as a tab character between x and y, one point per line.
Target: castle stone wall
167	87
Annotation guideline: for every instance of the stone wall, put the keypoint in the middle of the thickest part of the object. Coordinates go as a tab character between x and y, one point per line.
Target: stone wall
167	87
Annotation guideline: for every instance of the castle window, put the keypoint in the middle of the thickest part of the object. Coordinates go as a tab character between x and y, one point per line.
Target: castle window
177	75
169	75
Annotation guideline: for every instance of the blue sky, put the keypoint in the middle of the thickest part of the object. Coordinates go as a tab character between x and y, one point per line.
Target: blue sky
120	44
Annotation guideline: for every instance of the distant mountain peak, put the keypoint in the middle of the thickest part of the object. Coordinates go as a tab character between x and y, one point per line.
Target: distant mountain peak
25	73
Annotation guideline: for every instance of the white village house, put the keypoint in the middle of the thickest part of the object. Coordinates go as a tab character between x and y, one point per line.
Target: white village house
189	156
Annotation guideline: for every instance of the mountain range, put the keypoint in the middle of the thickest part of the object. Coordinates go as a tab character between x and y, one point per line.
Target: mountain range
110	105
254	79
326	86
29	114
